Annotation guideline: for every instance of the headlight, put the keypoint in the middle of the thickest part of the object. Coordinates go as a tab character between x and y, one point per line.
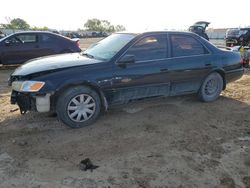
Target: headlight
27	86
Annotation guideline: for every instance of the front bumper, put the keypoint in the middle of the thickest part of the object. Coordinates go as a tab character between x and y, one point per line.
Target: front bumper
232	41
22	100
31	101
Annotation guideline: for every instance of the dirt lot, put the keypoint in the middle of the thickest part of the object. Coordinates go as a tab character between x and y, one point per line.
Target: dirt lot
166	142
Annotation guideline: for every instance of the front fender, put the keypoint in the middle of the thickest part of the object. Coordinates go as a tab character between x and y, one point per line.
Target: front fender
87	83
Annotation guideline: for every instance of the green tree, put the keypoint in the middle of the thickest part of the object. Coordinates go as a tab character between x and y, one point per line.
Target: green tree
102	26
40	28
16	23
19	23
93	25
119	28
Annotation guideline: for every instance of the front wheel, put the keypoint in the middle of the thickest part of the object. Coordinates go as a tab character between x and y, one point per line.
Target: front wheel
78	106
211	87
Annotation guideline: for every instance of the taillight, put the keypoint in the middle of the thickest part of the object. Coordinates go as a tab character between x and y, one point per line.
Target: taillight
78	43
241	60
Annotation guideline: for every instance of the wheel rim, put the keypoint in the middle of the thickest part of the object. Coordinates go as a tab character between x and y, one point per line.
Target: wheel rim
81	108
211	87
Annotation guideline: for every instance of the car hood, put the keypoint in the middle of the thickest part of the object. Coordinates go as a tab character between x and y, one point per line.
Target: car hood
52	63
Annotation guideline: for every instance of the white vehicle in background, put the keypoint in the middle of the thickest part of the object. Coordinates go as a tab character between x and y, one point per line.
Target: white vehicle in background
244	52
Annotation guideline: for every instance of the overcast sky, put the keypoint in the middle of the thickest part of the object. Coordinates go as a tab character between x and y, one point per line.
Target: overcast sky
134	15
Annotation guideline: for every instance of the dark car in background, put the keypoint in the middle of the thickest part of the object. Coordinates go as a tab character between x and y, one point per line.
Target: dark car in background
121	68
73	35
238	36
2	35
20	47
99	34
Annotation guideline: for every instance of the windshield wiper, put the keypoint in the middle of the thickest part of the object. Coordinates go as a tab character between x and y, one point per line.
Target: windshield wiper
88	55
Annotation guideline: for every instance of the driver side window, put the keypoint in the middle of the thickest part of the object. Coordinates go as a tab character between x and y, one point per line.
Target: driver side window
13	41
27	38
22	39
149	48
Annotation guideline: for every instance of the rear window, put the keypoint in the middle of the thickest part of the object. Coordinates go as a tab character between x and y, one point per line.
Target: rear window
48	38
184	45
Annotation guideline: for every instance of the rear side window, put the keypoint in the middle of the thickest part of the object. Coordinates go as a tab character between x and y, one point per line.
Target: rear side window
184	45
27	38
47	38
149	48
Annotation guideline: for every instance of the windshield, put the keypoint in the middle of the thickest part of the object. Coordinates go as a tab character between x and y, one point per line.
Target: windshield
233	32
108	47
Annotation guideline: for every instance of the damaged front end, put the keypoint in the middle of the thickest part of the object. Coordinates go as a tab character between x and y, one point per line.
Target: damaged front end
31	102
27	96
23	101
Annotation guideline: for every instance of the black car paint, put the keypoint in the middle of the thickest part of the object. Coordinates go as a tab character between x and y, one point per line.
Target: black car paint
117	84
200	29
20	53
234	39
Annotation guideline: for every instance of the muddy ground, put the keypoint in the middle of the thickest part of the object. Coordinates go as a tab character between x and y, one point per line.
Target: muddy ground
165	142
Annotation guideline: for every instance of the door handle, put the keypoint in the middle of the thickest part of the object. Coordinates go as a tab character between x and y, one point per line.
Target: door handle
208	64
164	70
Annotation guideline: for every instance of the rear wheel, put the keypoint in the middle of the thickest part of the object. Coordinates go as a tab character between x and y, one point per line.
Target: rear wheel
78	107
211	87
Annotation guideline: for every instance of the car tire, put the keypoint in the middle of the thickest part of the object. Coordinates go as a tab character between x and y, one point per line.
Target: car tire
211	87
78	106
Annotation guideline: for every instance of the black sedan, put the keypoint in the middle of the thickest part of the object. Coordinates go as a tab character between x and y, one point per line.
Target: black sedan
121	68
20	47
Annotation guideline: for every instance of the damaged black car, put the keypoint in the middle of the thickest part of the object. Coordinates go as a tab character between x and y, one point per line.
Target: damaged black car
121	68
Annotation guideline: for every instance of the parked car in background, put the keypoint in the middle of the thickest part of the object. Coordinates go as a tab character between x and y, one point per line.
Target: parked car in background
2	35
73	35
238	36
121	68
20	47
99	34
200	29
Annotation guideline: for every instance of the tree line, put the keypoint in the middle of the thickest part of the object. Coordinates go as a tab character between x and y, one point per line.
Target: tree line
91	25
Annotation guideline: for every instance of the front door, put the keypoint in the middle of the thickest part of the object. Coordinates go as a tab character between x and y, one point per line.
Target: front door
146	77
20	48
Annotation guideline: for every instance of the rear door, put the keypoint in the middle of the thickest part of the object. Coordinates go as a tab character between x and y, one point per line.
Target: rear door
20	48
146	77
189	64
49	44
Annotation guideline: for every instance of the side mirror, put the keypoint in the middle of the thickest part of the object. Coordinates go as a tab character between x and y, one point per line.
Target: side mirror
127	59
7	43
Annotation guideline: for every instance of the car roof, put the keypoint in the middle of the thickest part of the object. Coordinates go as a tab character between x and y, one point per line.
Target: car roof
39	32
156	32
27	32
239	28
